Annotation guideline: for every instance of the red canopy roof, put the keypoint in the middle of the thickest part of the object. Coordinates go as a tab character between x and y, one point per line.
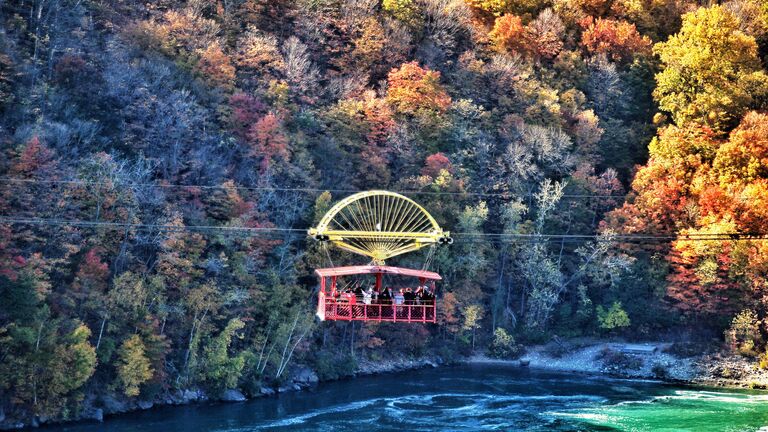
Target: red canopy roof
372	269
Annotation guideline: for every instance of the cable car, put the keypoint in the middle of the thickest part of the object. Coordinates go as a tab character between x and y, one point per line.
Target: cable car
378	225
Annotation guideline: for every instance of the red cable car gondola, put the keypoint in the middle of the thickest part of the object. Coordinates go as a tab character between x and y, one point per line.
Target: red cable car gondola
333	305
379	225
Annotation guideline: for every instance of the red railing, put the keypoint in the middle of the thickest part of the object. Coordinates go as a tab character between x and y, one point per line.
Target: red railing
333	309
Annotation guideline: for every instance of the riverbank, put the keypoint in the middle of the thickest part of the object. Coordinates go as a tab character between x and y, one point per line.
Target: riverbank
650	360
465	397
97	406
637	360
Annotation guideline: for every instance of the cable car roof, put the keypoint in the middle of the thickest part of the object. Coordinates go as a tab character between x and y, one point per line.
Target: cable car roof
374	269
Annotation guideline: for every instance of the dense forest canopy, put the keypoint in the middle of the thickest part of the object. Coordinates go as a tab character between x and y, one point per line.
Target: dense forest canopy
162	160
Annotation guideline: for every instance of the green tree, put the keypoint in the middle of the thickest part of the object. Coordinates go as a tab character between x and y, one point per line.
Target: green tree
473	314
503	345
406	11
500	7
711	71
79	356
613	318
493	7
473	257
218	368
133	366
744	333
44	368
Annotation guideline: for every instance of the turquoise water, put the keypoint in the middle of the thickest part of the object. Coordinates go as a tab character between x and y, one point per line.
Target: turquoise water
466	398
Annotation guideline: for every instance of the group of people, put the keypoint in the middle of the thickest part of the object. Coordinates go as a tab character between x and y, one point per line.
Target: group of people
422	295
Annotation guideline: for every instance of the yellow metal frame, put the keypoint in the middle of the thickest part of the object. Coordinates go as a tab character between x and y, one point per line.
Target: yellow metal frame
382	244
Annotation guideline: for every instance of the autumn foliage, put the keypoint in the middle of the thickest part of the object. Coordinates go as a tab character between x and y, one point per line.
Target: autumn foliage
216	66
712	74
413	89
161	161
619	40
709	191
508	33
267	139
34	158
436	163
706	181
542	38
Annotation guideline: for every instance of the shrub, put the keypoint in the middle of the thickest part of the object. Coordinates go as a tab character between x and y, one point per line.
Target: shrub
660	370
559	349
687	349
331	367
747	349
504	346
744	334
763	361
729	373
617	361
613	318
535	336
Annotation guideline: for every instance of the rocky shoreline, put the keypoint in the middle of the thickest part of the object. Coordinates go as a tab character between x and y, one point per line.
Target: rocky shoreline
96	407
651	360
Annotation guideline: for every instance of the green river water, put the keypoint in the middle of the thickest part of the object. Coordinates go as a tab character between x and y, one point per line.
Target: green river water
465	398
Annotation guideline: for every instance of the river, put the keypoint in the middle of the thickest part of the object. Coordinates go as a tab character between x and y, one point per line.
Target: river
465	398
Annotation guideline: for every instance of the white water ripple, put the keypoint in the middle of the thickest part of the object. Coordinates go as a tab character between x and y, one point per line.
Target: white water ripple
456	410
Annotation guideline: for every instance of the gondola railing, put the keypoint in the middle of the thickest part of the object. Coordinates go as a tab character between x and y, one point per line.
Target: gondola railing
330	308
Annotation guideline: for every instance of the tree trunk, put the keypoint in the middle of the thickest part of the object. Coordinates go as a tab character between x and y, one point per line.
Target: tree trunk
101	331
39	335
287	343
290	354
263	347
195	325
285	360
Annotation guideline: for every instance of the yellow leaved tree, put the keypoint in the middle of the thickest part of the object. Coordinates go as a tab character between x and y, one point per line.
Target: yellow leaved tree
711	71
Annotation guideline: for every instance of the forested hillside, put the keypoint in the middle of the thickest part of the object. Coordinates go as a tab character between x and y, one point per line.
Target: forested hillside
603	165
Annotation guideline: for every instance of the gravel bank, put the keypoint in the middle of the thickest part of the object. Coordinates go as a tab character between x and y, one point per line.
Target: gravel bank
648	360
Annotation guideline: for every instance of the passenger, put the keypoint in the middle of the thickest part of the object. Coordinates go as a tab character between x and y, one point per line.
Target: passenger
419	294
358	290
385	300
428	297
367	295
399	299
409	297
385	297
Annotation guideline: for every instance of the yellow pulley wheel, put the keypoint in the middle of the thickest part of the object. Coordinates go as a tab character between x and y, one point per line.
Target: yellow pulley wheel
379	225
